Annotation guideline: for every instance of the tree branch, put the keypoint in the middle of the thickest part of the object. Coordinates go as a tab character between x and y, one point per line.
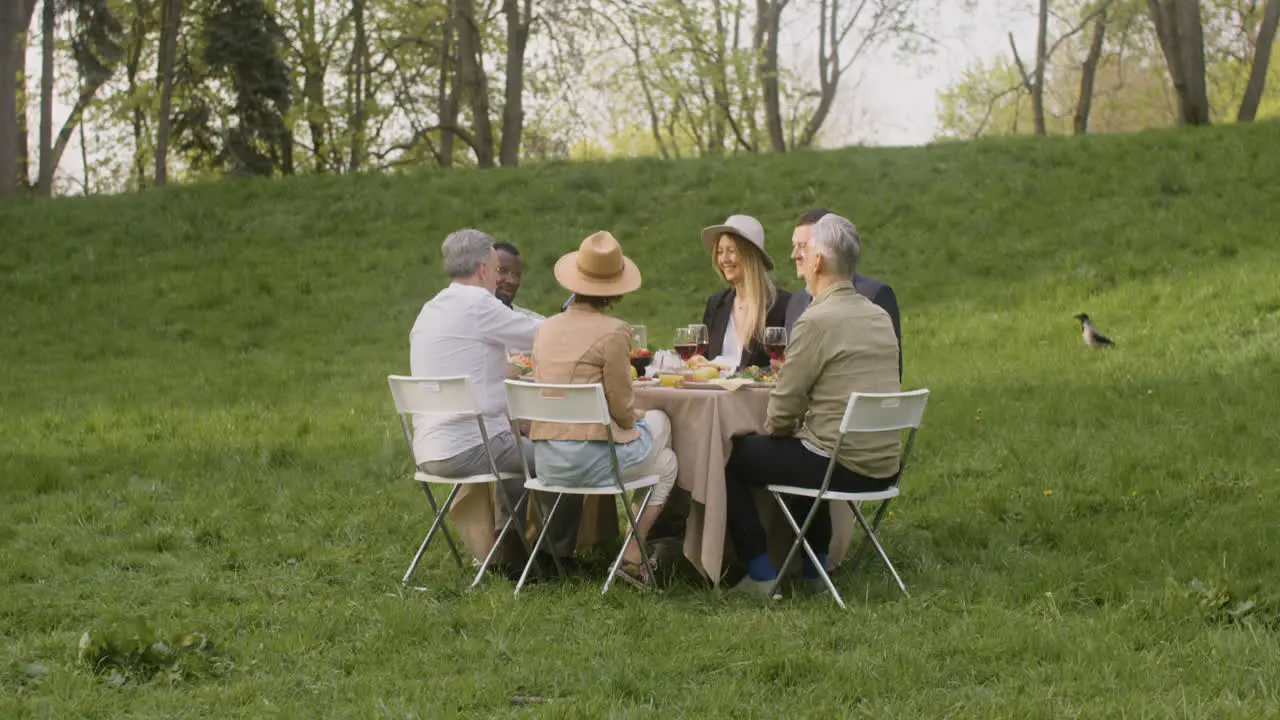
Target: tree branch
1022	69
991	106
1100	9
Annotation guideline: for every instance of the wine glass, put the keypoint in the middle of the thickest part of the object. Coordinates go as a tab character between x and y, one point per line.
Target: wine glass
639	337
701	338
641	358
685	342
775	343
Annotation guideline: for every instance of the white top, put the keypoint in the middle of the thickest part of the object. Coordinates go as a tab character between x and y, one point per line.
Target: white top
465	330
731	349
529	314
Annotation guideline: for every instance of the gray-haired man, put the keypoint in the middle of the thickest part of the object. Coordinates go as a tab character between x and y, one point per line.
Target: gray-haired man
874	290
466	330
842	344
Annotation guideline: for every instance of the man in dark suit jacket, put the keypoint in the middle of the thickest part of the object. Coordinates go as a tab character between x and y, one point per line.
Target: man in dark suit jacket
870	288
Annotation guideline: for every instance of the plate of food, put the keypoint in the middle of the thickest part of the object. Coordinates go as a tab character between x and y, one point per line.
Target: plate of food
759	377
521	365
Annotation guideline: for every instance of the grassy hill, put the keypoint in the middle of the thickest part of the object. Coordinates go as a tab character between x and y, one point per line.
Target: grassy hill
198	438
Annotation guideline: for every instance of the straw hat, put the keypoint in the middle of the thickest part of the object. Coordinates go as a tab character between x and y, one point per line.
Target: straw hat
598	268
743	226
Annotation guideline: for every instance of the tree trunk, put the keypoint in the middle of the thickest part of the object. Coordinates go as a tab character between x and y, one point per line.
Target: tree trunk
23	177
1037	88
15	18
768	24
1088	73
513	108
356	83
44	181
134	63
1261	62
1181	36
8	98
170	20
447	100
473	81
84	155
313	72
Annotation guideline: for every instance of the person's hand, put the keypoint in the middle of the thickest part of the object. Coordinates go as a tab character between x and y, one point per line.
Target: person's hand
775	365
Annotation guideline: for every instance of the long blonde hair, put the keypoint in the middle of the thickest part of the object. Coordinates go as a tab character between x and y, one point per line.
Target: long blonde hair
756	287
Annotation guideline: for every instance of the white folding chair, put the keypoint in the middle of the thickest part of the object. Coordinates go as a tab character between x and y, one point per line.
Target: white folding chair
865	413
581	405
449	396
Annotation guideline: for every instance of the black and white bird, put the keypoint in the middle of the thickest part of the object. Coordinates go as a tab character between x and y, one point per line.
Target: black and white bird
1092	337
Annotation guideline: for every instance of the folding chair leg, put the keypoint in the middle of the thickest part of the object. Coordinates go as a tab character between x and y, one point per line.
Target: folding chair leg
802	541
633	530
856	559
435	525
555	558
431	499
871	536
542	534
497	543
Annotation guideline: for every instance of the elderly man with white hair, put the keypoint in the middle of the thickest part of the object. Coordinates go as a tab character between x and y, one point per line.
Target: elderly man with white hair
466	330
842	344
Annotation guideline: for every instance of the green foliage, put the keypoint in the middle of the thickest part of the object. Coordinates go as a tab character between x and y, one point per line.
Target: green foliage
197	431
242	48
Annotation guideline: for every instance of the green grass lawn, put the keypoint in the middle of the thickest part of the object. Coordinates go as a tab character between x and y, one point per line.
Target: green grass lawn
198	438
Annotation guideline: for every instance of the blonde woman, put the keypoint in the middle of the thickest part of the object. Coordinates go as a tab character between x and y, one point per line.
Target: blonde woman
737	316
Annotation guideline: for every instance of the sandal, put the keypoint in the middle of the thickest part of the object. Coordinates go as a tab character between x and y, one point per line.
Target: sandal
637	574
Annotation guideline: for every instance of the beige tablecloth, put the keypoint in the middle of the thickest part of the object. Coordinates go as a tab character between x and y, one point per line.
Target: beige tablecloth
703	425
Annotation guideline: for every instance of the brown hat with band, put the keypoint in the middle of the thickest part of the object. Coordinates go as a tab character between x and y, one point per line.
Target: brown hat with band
598	268
743	226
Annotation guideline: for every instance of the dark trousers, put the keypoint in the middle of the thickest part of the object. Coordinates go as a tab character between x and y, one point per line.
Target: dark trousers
759	460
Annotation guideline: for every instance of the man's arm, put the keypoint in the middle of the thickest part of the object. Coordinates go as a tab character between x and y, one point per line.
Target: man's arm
506	326
790	397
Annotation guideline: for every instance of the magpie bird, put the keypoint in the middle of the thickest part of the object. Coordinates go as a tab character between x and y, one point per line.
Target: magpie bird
1092	337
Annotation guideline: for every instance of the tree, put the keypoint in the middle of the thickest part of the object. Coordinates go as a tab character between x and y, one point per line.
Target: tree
768	26
1261	62
170	20
1181	35
48	23
15	18
242	50
473	82
96	47
519	17
1089	74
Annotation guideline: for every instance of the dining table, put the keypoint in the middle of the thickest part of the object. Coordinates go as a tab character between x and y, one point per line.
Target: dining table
705	418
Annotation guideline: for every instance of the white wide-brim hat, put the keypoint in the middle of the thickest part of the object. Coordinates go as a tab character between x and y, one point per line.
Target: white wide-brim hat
743	226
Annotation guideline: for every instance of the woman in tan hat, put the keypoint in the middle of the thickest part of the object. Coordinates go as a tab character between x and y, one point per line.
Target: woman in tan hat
583	345
737	316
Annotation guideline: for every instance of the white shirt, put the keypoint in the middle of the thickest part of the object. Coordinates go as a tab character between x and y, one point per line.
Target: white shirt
529	314
465	330
730	349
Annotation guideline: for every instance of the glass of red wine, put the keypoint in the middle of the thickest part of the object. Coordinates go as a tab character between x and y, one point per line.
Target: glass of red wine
701	338
685	342
775	343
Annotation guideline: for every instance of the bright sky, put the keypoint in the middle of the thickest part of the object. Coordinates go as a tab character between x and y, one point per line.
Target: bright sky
894	102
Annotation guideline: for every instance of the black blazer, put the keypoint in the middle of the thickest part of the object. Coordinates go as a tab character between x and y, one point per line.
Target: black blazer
716	318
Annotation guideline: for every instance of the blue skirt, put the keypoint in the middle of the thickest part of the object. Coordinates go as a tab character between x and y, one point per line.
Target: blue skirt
585	463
